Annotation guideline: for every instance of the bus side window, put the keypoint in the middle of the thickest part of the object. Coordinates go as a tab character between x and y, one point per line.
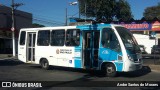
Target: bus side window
43	38
109	39
72	37
57	37
105	38
22	38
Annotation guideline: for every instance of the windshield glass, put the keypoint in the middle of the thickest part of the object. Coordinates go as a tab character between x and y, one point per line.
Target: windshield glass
128	40
109	40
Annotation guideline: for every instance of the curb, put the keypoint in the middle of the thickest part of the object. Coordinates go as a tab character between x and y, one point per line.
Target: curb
8	58
5	56
153	67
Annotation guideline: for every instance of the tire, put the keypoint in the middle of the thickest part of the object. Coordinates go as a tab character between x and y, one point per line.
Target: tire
44	64
110	70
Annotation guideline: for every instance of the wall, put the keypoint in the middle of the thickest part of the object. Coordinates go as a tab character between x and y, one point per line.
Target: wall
22	19
144	40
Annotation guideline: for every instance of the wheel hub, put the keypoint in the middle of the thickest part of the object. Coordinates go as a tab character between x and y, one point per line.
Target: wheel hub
110	70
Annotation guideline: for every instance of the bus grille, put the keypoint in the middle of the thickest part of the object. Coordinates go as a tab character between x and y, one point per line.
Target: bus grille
137	60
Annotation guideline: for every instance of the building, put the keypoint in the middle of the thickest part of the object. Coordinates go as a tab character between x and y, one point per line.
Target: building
147	33
22	20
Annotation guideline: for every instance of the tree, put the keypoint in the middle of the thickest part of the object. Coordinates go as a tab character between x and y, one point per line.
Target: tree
123	11
106	9
35	25
152	12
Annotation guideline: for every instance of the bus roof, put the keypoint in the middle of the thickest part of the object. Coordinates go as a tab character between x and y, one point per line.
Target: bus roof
49	28
85	26
96	26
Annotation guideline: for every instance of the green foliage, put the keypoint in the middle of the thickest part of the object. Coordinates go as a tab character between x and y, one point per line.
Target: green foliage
106	9
152	12
124	10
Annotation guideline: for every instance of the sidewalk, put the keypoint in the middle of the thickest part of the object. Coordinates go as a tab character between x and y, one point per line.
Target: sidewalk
153	64
153	67
7	56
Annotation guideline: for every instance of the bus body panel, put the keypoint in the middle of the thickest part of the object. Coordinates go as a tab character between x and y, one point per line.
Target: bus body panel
76	56
128	65
107	55
22	49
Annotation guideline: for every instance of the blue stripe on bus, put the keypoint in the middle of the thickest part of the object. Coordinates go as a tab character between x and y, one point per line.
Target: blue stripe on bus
93	26
78	54
107	54
77	63
119	66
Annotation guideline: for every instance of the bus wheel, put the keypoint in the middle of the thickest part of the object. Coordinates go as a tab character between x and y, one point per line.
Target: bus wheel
110	70
44	64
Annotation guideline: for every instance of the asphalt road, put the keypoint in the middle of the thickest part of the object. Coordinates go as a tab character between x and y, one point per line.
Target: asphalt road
14	70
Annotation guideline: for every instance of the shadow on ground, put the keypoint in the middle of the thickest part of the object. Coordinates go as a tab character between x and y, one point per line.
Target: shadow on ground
87	80
95	73
145	70
88	72
10	62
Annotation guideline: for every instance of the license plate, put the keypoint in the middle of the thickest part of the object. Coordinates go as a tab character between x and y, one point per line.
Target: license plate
139	56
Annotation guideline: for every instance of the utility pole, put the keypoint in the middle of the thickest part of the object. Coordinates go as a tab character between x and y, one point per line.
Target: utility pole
14	6
85	11
79	10
66	16
71	3
13	29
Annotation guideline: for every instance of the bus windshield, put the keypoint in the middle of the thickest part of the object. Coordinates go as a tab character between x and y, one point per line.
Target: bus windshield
109	40
128	40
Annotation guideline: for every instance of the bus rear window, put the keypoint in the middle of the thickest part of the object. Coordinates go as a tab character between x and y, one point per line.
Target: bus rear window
43	38
73	37
22	38
57	37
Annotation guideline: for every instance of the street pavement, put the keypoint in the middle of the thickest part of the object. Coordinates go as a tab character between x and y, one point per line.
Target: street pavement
12	69
153	63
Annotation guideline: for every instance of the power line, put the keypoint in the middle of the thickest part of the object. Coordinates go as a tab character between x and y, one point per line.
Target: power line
39	18
49	19
47	22
40	15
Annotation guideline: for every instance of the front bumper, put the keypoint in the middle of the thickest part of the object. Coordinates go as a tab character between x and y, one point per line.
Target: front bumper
135	66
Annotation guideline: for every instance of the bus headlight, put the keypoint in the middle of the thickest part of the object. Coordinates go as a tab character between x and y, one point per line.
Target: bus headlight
130	58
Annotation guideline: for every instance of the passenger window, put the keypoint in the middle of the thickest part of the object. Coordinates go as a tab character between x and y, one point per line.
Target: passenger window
109	39
73	37
43	38
22	38
57	37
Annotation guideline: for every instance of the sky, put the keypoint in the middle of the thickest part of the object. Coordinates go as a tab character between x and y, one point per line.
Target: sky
53	11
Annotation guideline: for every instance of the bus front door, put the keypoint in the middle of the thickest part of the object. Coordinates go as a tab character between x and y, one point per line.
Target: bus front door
31	47
90	49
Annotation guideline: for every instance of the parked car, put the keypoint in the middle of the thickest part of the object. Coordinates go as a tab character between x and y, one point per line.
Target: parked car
143	49
155	49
